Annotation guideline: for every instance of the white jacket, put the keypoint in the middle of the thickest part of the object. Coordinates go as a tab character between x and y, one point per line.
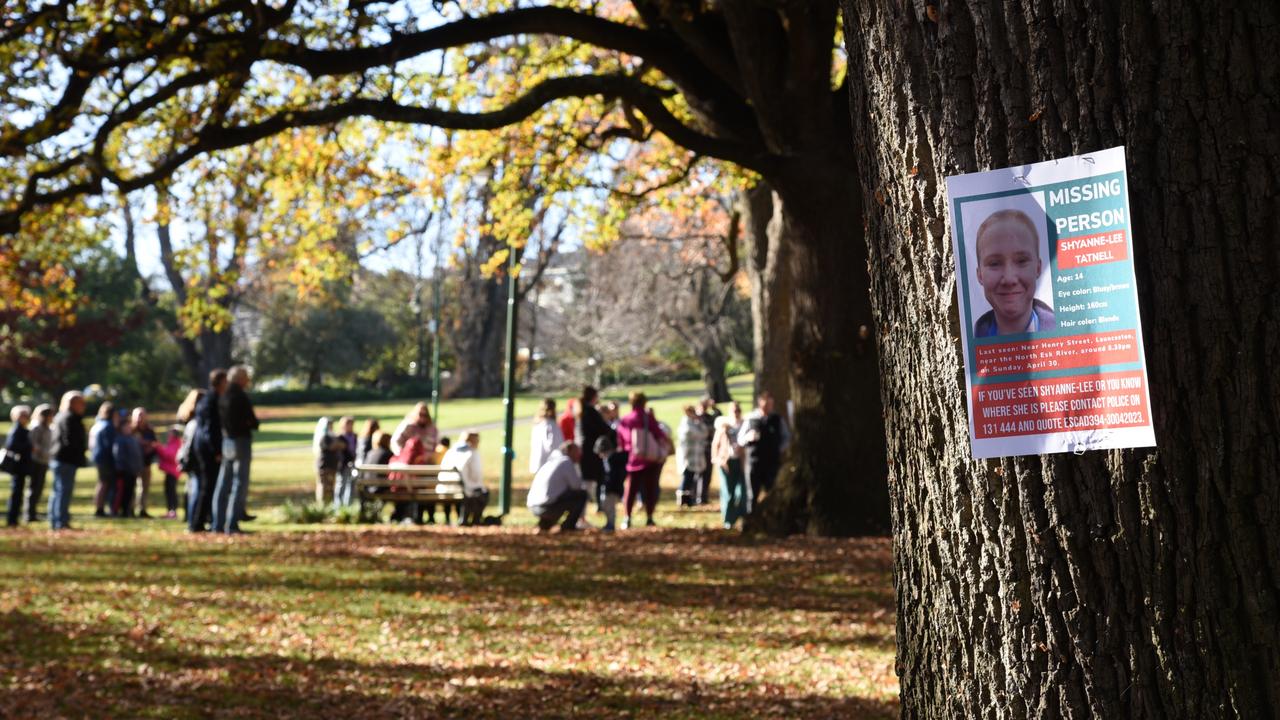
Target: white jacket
692	437
545	439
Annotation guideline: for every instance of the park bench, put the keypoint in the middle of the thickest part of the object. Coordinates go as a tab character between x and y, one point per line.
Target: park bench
408	483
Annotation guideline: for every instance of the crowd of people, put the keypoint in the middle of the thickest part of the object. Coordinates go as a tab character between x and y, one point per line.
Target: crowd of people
212	444
590	453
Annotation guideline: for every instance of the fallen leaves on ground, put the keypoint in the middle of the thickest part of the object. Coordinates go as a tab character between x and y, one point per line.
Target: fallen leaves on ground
442	622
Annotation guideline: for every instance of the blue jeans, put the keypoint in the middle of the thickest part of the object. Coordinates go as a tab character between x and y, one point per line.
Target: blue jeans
733	493
64	484
345	492
233	484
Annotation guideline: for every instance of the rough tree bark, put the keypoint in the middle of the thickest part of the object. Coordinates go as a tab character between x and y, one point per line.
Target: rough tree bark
1116	584
769	272
834	368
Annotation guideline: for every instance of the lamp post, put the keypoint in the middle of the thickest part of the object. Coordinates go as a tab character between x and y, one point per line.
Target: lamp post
435	342
508	391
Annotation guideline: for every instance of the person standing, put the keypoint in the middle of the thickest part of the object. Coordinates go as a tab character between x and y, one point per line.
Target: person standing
127	454
147	439
67	453
41	443
708	414
345	482
238	423
568	419
186	456
615	477
691	456
765	436
206	452
591	426
102	441
726	455
167	461
366	441
546	435
18	444
329	452
464	459
640	436
417	424
557	490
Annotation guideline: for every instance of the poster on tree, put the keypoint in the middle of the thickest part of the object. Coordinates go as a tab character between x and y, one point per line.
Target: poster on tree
1051	332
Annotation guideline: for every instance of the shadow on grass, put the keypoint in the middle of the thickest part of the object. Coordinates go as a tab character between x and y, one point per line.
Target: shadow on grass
59	671
675	568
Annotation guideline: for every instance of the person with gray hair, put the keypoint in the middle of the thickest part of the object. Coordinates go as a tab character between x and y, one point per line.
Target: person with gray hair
41	442
17	448
67	453
238	423
557	490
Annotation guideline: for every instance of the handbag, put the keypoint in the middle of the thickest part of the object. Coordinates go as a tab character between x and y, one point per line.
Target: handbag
645	447
10	462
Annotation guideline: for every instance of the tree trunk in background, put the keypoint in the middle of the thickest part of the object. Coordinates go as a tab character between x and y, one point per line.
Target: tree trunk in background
833	481
208	350
1116	584
478	338
769	271
713	358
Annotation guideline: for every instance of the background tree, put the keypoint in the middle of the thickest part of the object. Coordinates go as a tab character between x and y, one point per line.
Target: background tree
1134	583
334	337
285	211
687	238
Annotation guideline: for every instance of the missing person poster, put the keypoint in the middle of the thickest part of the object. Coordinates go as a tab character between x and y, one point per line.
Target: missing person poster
1051	333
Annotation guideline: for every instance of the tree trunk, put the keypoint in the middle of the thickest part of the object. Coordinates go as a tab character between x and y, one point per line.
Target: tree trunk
769	272
478	338
713	358
209	349
1114	584
834	481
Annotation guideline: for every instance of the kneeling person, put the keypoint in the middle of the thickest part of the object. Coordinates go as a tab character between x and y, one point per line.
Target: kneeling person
465	460
557	490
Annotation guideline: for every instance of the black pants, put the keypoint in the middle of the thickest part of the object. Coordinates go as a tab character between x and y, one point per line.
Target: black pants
125	486
572	502
35	486
17	491
170	492
761	474
472	512
200	502
704	484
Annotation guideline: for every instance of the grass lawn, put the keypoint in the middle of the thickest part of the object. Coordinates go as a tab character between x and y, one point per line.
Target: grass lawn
139	619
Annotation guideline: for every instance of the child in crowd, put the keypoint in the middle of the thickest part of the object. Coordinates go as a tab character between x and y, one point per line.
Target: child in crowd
127	457
615	479
167	461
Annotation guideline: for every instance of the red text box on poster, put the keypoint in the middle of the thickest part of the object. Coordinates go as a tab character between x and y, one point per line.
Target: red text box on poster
1092	249
1072	351
1078	403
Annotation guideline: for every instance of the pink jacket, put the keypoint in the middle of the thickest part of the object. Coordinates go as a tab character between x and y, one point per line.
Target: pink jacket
167	456
632	420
